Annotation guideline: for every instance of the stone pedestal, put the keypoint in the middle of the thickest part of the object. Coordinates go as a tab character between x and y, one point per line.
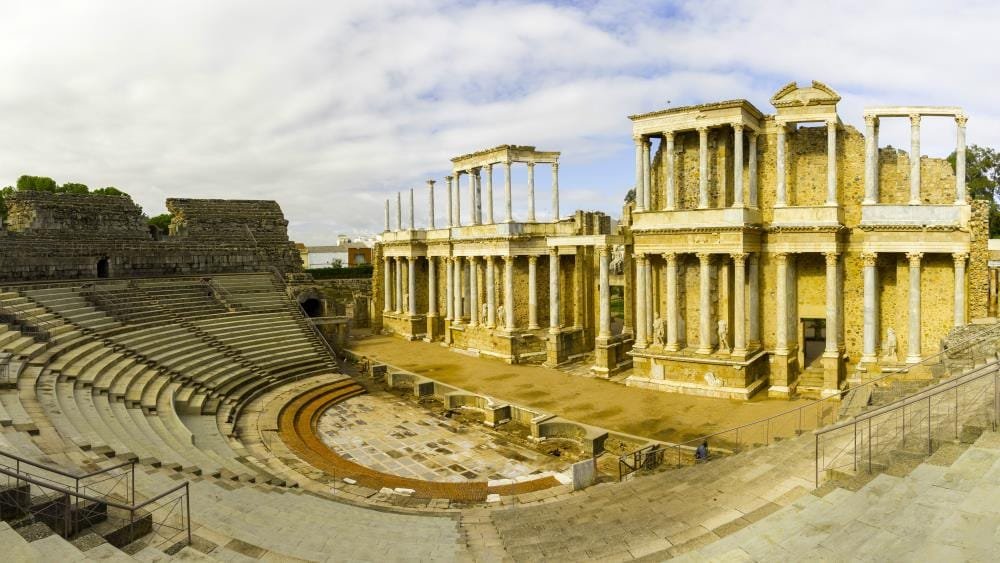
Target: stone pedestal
833	373
435	328
554	350
784	372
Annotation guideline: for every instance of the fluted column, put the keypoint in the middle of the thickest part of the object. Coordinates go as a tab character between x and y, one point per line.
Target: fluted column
754	292
508	292
458	198
870	331
386	284
702	167
959	259
871	160
508	213
831	162
432	289
640	301
430	202
449	306
451	197
457	291
386	216
399	211
489	194
555	191
913	341
739	304
413	223
781	197
532	292
705	304
960	159
915	159
781	301
832	303
671	260
640	199
738	195
554	320
491	288
411	285
473	291
604	292
531	192
668	170
647	197
752	168
399	285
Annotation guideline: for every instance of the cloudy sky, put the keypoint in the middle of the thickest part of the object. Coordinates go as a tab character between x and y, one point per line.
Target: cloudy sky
330	107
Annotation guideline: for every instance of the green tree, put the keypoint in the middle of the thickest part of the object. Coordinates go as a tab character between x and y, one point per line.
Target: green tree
161	221
36	184
110	190
74	188
982	179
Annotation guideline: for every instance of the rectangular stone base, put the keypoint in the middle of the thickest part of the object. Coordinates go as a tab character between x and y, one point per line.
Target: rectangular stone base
510	347
709	376
692	388
410	328
611	355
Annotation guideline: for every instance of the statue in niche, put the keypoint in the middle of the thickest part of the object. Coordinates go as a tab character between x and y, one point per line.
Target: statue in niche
659	331
723	336
889	352
501	317
483	315
617	265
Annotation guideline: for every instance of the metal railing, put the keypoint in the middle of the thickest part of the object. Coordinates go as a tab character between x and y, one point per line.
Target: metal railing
27	323
648	458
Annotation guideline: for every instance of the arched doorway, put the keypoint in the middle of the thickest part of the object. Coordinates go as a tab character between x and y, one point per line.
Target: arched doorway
313	307
103	268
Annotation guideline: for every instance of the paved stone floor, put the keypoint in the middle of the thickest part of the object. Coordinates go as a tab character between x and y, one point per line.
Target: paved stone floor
389	434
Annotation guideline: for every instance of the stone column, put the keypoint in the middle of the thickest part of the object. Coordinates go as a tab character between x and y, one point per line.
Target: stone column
532	292
413	223
386	216
671	260
871	160
640	199
705	304
430	201
399	285
457	292
554	320
646	193
640	301
491	305
399	211
650	303
702	168
831	162
752	168
960	160
915	159
531	192
577	288
832	303
386	284
739	304
411	285
508	292
754	292
959	259
738	196
781	301
870	334
508	214
668	170
913	340
478	181
458	198
781	197
449	310
472	198
473	291
451	196
555	192
489	194
604	292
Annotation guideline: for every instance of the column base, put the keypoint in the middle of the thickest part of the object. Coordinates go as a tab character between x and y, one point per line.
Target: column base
833	373
705	351
913	359
672	347
739	354
915	202
868	359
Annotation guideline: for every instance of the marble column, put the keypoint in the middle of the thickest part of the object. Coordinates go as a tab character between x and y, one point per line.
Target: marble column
871	160
457	291
411	285
577	288
640	199
781	304
451	196
640	301
915	159
913	339
738	195
960	159
869	261
491	305
508	213
458	198
754	306
531	192
399	211
478	181
739	304
449	309
554	320
671	259
399	285
430	202
705	304
604	292
555	192
472	198
650	303
489	194
532	292
413	223
702	168
646	191
831	162
832	303
668	170
432	289
781	196
752	168
473	291
386	284
508	293
959	259
386	216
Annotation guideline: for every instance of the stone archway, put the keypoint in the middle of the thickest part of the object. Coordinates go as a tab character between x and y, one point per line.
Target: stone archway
313	307
103	267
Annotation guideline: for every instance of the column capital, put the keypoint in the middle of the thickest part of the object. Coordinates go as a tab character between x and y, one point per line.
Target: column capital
668	135
960	257
638	140
739	258
831	258
670	257
507	259
871	121
914	120
555	166
702	129
488	166
532	259
448	178
639	256
738	127
530	164
704	256
603	250
752	133
914	258
831	123
869	258
961	120
781	257
430	183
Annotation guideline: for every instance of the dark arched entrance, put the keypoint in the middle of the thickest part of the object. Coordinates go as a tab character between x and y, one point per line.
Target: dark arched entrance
103	268
313	307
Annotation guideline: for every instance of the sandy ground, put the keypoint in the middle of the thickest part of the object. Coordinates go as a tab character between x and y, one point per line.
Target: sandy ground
662	416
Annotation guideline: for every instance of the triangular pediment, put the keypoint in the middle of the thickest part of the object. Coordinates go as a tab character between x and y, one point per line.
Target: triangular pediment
816	94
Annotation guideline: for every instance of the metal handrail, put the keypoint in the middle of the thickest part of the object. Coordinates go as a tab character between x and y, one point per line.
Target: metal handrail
58	471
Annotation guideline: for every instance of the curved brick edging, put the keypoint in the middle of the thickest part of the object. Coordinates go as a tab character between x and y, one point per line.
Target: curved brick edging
297	428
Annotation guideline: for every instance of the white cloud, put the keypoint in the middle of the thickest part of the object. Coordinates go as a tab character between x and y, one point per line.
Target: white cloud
329	107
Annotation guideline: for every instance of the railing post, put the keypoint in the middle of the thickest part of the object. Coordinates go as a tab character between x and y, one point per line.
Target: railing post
956	412
816	460
132	501
855	447
928	425
187	501
869	445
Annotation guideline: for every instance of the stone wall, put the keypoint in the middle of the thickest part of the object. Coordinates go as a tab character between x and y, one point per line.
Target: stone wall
75	215
978	267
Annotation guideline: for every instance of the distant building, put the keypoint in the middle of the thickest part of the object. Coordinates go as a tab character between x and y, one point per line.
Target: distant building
347	252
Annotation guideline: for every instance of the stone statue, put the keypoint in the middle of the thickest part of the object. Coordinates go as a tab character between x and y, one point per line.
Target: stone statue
483	314
723	336
889	352
501	317
617	265
659	331
712	380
